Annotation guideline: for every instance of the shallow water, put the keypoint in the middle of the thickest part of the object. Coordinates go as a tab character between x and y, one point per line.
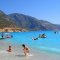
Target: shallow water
50	43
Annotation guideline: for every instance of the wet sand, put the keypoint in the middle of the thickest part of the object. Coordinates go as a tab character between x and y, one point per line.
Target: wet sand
17	53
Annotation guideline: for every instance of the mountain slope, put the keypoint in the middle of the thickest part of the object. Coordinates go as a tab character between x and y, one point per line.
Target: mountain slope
5	21
15	20
32	23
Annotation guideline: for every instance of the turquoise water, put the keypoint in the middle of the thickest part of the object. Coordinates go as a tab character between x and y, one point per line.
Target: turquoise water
50	43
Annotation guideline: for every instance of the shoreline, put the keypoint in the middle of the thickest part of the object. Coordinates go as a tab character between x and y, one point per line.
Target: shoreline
17	53
12	30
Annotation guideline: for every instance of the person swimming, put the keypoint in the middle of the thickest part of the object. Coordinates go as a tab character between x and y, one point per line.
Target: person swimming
25	49
34	38
43	36
9	36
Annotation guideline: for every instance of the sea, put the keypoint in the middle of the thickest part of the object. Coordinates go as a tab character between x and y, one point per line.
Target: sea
51	43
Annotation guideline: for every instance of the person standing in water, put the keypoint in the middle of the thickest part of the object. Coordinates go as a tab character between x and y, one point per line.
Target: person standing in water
25	49
2	35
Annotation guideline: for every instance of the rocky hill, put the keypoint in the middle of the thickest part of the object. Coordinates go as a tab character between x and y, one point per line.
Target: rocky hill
26	22
5	21
32	23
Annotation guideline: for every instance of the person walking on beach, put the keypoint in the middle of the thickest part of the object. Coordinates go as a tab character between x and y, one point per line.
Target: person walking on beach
25	49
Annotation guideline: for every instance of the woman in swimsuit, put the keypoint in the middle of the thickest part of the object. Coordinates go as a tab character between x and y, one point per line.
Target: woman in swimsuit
25	49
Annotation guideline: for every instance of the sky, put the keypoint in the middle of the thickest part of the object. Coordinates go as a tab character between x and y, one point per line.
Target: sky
48	10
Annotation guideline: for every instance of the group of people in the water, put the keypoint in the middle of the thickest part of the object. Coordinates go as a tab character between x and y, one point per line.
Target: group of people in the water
40	36
43	35
7	35
25	49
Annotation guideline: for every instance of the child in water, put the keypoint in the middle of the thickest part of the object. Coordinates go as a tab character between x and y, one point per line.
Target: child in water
9	49
25	49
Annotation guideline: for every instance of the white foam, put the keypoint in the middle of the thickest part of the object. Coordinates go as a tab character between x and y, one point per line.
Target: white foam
30	54
3	51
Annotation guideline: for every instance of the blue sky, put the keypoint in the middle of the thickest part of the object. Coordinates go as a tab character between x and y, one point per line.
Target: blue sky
41	9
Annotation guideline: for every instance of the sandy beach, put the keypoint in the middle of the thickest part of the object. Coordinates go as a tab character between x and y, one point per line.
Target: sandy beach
17	53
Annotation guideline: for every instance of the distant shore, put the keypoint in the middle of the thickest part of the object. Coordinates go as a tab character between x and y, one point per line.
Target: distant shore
12	30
